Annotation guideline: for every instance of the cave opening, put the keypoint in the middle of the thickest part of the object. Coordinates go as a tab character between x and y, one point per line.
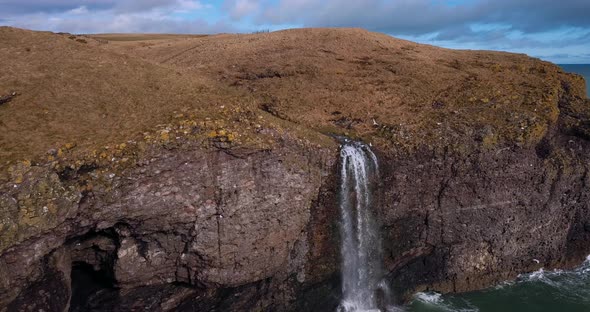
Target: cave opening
87	283
93	281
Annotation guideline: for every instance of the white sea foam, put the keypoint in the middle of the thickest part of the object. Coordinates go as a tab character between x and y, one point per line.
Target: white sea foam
536	275
436	301
567	286
504	284
429	297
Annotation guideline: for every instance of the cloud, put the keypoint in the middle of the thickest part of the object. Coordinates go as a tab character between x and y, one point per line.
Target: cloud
130	6
80	10
241	8
417	17
20	7
188	5
516	25
405	17
566	58
16	7
148	16
399	17
121	23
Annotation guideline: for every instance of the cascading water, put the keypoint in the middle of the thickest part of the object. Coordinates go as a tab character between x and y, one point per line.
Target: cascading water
363	286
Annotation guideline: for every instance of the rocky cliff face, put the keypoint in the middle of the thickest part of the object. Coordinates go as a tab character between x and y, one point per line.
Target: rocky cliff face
230	203
485	217
182	217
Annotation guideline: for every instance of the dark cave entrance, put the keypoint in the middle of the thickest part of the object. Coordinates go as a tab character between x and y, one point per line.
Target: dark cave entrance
92	277
87	283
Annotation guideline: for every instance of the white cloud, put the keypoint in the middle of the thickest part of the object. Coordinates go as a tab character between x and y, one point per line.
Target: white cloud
186	6
78	10
133	6
507	24
153	16
154	21
417	17
240	8
191	5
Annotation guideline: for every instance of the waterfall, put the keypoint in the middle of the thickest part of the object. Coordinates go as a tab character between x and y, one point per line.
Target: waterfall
363	286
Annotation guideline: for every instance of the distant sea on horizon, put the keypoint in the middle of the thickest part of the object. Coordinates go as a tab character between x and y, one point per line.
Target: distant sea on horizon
582	69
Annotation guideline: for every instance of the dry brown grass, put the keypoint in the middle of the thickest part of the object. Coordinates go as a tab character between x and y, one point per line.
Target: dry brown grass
345	80
93	90
70	91
141	37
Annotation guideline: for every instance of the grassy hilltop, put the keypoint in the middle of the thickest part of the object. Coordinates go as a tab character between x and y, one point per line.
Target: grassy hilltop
81	93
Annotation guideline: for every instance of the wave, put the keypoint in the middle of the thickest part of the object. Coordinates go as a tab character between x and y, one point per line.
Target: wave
540	291
432	301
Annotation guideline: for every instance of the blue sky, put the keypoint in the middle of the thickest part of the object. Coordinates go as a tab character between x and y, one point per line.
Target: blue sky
558	31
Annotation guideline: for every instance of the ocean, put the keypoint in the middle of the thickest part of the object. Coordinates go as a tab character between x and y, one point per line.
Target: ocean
582	69
540	291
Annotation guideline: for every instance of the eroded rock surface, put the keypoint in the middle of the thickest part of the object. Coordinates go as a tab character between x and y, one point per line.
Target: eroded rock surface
200	218
485	217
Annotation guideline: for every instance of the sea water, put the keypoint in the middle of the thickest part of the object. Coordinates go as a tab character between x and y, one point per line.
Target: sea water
540	291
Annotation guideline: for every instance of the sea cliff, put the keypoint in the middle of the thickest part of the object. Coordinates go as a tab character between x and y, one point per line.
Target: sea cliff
190	173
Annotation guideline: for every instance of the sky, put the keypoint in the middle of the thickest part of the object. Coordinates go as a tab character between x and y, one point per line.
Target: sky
557	31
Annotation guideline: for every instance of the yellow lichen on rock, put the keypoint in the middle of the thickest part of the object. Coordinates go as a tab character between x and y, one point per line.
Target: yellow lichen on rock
490	141
164	135
39	203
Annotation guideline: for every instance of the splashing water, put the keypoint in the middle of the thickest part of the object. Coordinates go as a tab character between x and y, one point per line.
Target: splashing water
363	286
539	291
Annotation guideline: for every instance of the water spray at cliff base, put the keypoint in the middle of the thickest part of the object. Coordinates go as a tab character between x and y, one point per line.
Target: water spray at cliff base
364	288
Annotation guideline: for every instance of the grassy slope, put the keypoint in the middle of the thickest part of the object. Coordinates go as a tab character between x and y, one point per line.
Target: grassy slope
340	80
72	92
109	88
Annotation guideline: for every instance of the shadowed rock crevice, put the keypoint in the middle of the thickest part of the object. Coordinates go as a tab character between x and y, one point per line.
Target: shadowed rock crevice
51	292
88	284
93	258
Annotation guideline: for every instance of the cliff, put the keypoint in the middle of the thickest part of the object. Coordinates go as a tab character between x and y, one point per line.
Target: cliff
199	172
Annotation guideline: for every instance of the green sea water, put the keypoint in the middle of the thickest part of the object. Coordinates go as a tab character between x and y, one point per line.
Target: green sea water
541	291
582	69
